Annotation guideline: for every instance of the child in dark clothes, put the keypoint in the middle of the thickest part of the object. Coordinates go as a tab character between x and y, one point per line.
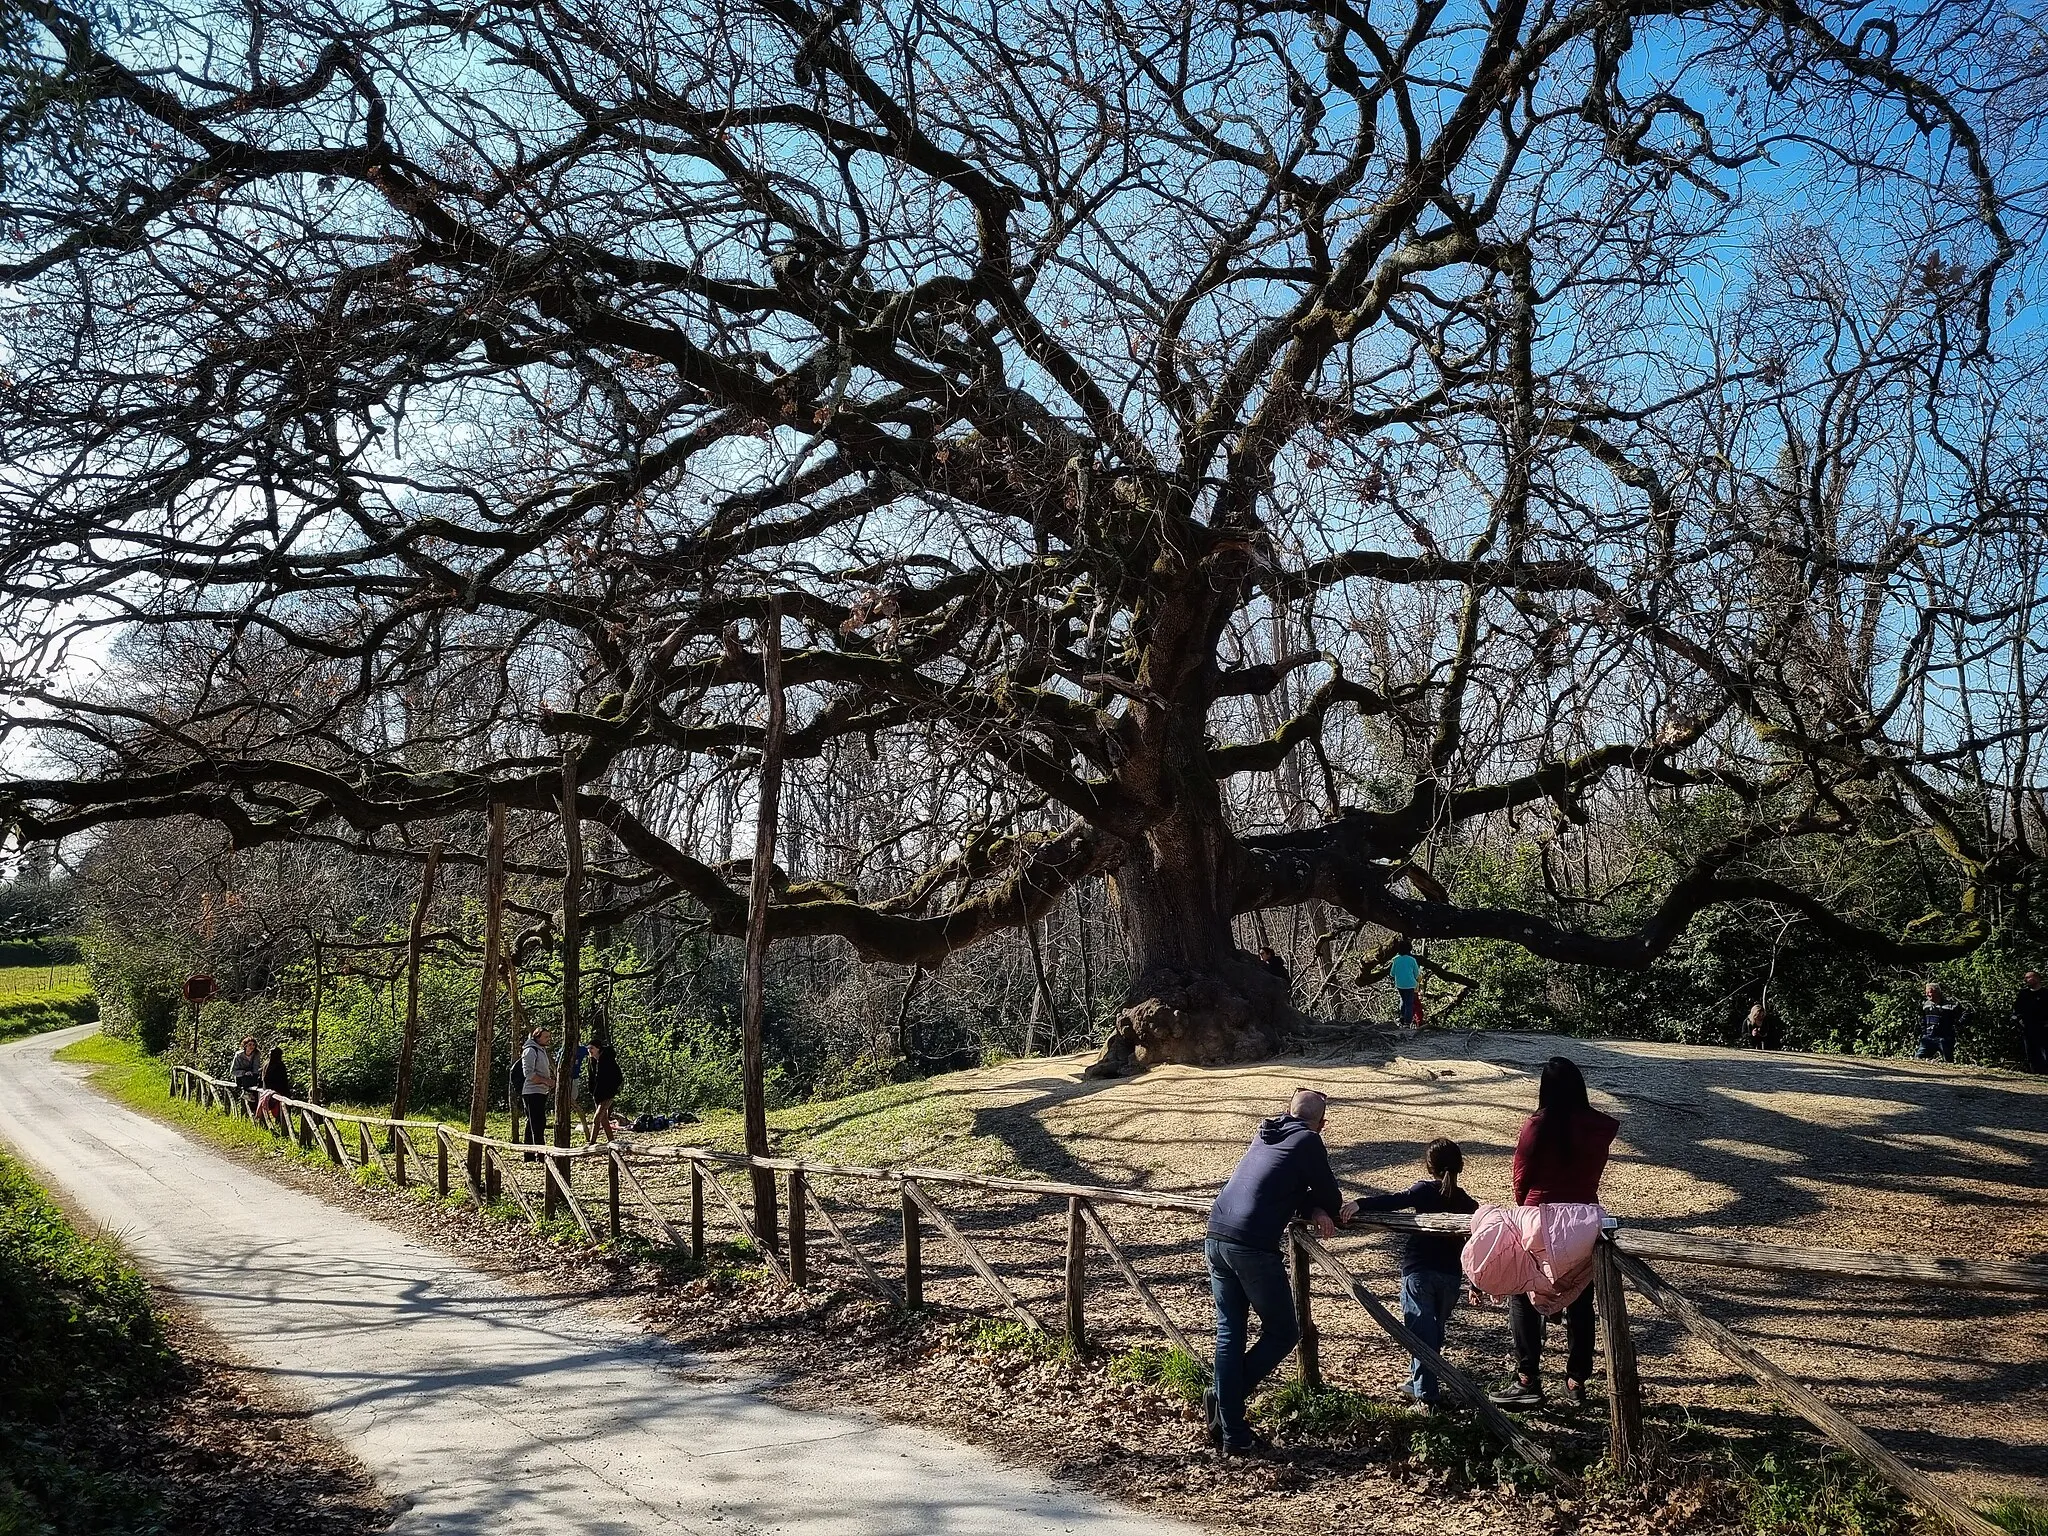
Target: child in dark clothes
1430	1273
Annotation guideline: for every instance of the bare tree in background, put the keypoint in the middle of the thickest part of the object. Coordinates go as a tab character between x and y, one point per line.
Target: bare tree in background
1234	449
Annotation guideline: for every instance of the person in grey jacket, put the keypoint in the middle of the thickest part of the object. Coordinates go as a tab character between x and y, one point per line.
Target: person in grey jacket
537	1065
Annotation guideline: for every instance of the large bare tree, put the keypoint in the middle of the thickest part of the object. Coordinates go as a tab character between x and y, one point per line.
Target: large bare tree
1435	415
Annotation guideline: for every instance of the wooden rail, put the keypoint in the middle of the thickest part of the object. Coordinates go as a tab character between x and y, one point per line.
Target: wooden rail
1624	1252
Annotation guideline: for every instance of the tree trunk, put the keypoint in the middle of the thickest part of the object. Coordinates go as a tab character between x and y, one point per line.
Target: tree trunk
572	964
752	997
408	1043
1195	997
487	996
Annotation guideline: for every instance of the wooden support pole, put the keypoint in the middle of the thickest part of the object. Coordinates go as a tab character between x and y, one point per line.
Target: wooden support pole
1625	1446
697	1211
409	1040
1012	1303
1077	1275
799	1256
913	1255
485	1044
1460	1386
441	1161
572	968
668	1227
759	887
319	986
509	1181
1118	1257
1308	1357
1918	1487
768	1255
611	1169
1971	1274
560	1182
874	1275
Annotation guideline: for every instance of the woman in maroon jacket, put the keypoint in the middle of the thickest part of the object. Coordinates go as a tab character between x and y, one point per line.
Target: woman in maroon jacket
1559	1157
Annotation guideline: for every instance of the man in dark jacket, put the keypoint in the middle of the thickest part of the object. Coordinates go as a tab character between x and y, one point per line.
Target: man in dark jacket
1285	1174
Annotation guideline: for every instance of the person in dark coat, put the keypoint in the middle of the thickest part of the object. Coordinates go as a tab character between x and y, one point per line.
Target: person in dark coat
1431	1275
1283	1176
2030	1013
1275	966
606	1079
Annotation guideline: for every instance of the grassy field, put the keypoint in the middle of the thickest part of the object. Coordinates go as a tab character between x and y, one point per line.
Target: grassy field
81	1338
35	998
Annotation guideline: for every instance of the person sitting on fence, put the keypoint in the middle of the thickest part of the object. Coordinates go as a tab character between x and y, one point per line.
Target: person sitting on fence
1939	1020
1559	1158
1430	1276
277	1084
605	1082
1284	1174
246	1069
537	1069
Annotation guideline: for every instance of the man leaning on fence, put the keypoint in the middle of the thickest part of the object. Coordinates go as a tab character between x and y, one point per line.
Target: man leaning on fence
1285	1174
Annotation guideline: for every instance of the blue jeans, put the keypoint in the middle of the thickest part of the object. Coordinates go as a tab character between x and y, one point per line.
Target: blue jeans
1245	1280
1408	1009
1427	1297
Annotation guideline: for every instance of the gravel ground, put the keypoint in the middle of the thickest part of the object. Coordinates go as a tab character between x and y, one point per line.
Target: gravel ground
1793	1148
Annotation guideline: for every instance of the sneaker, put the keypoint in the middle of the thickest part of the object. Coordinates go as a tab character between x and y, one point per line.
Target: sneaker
1253	1444
1521	1395
1576	1391
1210	1421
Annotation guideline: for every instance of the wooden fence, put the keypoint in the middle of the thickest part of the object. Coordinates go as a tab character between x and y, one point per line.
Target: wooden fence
1623	1259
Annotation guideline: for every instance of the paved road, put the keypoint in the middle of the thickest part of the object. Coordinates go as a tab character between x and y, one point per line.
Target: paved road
492	1411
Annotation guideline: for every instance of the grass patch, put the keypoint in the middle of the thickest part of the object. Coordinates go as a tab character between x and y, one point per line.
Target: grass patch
34	1013
125	1071
1454	1444
894	1124
1796	1492
1008	1337
1177	1372
1330	1413
82	1342
2023	1517
22	980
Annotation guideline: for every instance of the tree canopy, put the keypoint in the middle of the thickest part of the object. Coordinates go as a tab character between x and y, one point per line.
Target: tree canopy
1246	451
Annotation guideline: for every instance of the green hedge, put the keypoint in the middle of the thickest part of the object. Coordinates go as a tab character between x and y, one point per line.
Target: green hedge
81	1342
35	1012
40	952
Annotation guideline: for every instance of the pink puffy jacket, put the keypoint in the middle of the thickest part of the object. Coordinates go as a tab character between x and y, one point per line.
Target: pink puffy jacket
1544	1252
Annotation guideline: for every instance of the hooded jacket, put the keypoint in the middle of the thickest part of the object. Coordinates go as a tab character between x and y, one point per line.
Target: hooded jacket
1285	1173
539	1067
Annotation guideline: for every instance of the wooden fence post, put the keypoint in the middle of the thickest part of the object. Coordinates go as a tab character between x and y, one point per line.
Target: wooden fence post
913	1256
1308	1352
1077	1275
799	1257
363	1143
441	1161
1624	1388
611	1168
697	1211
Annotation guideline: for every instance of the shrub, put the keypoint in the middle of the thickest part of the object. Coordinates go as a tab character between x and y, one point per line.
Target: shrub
33	1013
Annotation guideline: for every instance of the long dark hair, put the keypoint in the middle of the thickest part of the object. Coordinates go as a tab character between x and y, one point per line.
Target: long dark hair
1560	1099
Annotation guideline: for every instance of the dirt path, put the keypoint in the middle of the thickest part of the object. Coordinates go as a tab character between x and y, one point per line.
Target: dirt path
1848	1152
484	1409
